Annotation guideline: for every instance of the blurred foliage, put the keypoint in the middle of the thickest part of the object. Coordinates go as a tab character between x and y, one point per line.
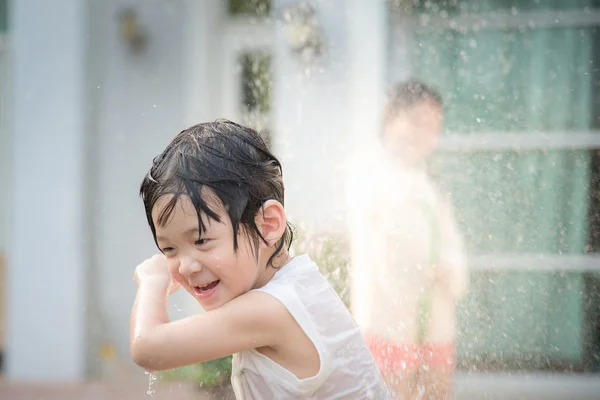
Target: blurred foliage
258	8
209	374
331	253
256	81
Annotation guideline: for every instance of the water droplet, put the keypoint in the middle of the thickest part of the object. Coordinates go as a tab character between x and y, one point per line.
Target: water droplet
151	379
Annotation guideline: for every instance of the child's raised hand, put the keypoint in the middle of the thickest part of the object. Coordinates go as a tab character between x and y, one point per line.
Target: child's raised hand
154	270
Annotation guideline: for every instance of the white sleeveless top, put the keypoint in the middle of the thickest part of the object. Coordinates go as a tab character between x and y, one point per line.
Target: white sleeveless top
347	368
397	218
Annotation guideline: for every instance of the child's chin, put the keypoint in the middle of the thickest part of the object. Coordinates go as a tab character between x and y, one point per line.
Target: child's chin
210	305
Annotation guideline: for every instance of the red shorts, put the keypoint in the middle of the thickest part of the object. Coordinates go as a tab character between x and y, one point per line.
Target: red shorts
393	358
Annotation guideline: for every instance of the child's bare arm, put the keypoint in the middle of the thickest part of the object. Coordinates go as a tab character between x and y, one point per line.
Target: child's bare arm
252	320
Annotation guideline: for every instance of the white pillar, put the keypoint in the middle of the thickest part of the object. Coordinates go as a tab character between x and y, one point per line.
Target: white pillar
200	40
367	62
367	65
320	108
46	303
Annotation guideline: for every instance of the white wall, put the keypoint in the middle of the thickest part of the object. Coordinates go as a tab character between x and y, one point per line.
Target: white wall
47	263
139	105
6	174
89	118
321	114
5	142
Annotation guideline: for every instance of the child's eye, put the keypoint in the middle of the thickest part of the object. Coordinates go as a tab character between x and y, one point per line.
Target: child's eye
167	250
200	242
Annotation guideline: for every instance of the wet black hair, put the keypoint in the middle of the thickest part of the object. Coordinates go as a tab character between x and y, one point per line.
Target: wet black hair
222	159
406	94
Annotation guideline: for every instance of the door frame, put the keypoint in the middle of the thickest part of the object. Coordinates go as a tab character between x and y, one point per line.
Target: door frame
213	42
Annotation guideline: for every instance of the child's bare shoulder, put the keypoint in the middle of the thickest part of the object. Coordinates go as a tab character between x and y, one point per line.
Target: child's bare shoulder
257	306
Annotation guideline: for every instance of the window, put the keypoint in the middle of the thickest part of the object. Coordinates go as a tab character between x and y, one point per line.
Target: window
256	80
246	39
258	8
518	81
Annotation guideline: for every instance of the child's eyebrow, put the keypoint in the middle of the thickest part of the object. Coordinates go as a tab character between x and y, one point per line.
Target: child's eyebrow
186	233
190	231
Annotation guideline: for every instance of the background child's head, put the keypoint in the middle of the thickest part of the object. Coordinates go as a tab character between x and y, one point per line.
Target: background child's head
413	120
220	162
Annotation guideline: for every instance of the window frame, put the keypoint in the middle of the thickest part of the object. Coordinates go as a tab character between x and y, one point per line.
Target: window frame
239	35
214	44
402	28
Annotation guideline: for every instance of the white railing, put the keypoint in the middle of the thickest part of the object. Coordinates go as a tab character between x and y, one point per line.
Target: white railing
502	141
508	19
536	262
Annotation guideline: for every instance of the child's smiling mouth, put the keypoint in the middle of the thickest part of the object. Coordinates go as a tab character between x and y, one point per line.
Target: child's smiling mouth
204	291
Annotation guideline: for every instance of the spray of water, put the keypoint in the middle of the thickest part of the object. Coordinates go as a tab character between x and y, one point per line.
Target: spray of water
151	379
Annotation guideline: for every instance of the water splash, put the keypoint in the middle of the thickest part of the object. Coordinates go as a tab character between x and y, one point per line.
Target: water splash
151	379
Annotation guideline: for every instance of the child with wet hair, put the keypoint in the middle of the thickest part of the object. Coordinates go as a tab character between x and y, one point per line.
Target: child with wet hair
407	251
214	202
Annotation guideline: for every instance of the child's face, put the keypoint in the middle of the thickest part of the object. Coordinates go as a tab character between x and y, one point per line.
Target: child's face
207	267
414	133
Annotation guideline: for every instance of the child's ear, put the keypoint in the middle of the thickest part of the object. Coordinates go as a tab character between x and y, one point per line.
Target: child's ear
271	221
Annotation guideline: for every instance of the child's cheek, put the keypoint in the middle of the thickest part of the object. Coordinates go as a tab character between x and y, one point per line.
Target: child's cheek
174	271
216	260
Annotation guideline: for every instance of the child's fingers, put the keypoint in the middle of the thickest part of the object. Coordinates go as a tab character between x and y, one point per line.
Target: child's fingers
173	286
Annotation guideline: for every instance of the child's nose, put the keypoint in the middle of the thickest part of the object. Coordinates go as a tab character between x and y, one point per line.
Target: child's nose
188	266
